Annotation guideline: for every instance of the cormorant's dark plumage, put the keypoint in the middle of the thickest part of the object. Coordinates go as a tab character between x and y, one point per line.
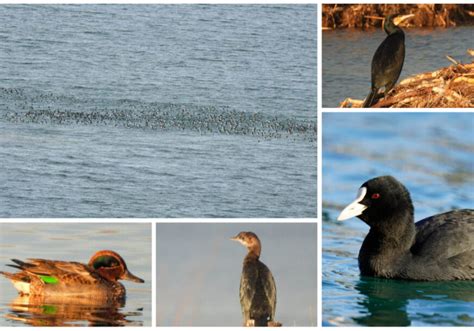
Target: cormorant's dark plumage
387	62
257	286
438	248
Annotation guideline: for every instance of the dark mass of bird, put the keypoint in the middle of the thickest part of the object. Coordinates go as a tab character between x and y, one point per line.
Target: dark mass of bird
387	62
257	286
437	248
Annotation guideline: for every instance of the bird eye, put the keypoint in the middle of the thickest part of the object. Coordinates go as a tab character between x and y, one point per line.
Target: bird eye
375	196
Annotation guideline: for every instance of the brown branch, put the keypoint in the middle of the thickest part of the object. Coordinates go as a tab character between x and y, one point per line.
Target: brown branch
449	87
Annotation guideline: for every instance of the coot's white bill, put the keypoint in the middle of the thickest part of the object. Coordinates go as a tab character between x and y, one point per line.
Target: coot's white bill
355	208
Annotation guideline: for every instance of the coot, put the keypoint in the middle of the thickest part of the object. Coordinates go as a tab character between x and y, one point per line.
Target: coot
437	248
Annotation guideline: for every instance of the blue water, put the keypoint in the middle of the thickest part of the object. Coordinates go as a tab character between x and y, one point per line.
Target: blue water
76	242
347	54
433	155
199	268
158	111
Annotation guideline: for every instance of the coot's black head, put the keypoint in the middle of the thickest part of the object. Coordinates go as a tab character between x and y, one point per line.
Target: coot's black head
379	199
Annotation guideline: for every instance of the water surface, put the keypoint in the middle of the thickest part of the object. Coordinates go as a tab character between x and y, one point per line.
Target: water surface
158	111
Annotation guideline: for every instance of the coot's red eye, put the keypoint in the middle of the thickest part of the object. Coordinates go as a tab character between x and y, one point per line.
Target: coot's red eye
375	196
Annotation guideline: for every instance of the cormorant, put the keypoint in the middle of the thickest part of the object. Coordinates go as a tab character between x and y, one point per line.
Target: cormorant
437	248
257	286
387	62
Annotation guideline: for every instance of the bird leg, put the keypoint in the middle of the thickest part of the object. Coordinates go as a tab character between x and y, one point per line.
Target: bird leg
387	90
273	324
249	322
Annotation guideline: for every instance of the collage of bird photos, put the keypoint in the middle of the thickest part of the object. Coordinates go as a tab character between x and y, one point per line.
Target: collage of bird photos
241	164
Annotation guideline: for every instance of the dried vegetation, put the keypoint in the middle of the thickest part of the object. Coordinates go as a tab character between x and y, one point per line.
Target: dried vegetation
449	87
369	15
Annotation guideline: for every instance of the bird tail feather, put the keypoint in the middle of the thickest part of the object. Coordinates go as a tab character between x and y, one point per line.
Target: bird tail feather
371	98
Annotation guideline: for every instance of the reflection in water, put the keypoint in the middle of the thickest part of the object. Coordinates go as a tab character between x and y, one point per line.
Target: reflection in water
69	311
384	301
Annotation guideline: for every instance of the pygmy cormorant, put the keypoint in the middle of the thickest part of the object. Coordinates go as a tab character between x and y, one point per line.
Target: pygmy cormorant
437	248
257	286
387	62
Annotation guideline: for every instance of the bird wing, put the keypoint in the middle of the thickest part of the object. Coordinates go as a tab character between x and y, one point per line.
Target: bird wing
455	249
269	287
70	271
248	285
388	59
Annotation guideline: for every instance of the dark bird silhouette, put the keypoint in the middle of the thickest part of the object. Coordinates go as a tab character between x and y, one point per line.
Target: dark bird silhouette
437	248
257	286
387	62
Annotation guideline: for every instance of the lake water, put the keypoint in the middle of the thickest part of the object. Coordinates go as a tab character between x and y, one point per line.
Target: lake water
433	155
77	242
158	111
347	55
199	268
